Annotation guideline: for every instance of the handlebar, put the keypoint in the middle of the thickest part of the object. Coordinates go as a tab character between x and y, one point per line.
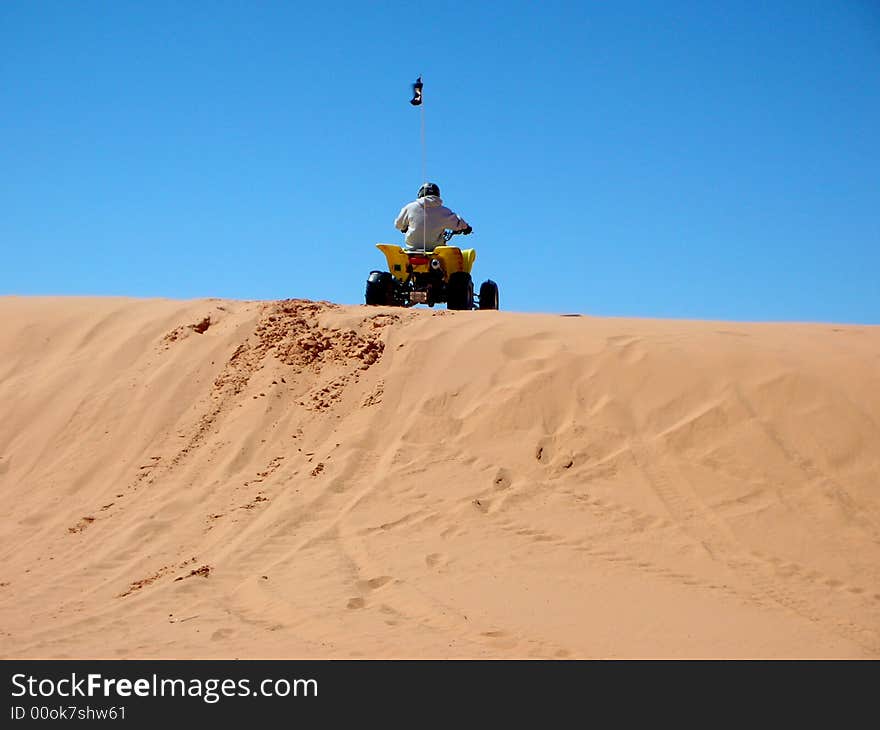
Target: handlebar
448	234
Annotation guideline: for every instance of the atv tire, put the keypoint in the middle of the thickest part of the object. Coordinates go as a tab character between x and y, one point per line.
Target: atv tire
380	289
488	295
460	291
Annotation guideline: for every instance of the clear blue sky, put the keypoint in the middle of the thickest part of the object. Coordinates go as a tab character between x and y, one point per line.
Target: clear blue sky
712	160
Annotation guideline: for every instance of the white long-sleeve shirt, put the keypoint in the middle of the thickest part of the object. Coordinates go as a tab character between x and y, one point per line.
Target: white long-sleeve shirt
424	220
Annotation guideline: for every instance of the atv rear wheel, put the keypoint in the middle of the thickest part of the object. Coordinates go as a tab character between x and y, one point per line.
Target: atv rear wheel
488	295
460	291
380	289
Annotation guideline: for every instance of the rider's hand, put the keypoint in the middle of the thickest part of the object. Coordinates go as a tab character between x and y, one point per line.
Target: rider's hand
467	231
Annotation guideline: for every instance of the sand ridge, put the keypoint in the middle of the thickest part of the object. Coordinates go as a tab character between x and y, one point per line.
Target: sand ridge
217	478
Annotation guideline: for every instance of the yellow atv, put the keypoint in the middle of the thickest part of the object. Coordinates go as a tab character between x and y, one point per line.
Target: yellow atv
429	277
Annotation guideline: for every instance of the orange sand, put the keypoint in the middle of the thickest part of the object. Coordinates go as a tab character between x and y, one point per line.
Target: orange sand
297	479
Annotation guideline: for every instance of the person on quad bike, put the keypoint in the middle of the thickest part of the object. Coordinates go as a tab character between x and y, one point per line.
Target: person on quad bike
425	219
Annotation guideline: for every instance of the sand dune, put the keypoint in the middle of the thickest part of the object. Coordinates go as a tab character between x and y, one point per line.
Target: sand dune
298	479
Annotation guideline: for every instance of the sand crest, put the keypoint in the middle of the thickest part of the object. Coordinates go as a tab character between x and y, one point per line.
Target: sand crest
299	479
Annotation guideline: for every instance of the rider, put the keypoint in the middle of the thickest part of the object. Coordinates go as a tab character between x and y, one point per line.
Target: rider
426	218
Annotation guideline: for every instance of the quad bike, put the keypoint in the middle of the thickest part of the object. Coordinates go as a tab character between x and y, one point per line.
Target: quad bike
429	277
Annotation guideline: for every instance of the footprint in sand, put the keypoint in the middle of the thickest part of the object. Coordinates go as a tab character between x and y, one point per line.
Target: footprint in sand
502	479
81	525
365	586
436	560
482	505
451	531
374	583
544	451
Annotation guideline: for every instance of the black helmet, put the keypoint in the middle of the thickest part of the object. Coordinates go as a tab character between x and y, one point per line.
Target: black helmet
429	189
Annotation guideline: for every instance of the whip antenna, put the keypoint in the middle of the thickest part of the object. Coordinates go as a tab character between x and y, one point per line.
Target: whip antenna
417	101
